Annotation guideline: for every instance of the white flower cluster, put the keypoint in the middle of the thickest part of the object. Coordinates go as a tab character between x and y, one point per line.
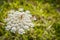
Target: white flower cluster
19	21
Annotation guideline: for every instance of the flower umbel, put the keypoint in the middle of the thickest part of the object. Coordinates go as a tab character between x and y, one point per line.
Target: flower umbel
19	21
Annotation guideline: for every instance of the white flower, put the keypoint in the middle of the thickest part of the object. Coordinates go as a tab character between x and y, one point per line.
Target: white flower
13	25
27	11
21	31
26	27
19	21
31	24
13	29
28	21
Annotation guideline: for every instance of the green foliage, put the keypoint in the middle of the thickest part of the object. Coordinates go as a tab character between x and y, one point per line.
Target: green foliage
46	28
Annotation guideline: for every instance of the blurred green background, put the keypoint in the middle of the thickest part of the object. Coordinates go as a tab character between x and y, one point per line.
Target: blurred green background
47	25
